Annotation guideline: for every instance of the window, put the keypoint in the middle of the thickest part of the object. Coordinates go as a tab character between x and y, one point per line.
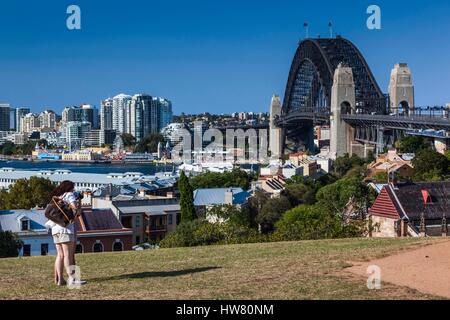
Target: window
27	250
25	225
126	222
118	246
138	221
44	249
79	248
170	217
98	247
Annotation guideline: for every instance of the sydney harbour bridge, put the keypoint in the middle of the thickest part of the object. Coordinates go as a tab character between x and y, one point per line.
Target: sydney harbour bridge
366	116
330	84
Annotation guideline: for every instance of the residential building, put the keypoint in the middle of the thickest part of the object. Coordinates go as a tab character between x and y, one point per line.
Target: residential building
99	230
92	138
206	199
30	123
164	110
119	115
29	226
107	137
84	113
150	219
142	116
106	114
76	131
391	163
5	119
47	120
20	113
411	210
270	185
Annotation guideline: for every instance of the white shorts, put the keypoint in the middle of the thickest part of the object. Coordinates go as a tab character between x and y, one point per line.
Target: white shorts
63	238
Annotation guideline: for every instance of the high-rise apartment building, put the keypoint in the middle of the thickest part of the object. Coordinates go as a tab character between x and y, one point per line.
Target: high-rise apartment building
30	123
20	113
76	132
5	117
85	113
165	114
47	120
138	107
106	114
119	112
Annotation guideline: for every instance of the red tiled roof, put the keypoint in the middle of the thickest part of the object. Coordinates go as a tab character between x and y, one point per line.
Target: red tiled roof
97	220
384	206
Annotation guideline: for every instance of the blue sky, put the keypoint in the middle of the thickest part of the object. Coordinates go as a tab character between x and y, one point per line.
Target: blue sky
204	55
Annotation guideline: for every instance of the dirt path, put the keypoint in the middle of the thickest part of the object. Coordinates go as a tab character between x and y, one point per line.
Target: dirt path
426	269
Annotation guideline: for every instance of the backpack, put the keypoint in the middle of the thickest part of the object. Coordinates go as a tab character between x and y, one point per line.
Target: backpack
59	212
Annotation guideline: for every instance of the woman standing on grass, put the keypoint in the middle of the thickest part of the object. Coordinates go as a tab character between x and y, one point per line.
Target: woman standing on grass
65	237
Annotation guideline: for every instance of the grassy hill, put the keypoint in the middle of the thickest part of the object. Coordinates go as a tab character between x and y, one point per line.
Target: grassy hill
289	270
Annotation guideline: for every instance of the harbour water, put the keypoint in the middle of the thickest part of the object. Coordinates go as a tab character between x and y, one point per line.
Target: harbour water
147	168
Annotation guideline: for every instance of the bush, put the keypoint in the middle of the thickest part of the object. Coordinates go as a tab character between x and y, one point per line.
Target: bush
202	233
10	245
312	223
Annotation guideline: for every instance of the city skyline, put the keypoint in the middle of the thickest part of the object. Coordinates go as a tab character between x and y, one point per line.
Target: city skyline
240	54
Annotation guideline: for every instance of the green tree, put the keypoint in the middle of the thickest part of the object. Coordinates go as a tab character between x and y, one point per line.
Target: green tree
128	140
255	205
8	148
27	194
186	198
412	144
235	178
334	198
430	165
10	245
271	212
150	143
300	193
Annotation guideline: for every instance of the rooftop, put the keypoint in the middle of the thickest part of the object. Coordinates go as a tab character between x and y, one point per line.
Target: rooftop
207	197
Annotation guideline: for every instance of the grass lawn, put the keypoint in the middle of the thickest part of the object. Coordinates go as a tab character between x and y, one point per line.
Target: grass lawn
288	270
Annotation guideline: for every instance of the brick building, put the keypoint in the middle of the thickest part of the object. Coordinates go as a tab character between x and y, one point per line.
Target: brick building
411	210
99	230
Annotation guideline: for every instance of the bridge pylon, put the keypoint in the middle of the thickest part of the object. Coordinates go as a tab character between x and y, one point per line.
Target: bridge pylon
343	101
401	90
275	134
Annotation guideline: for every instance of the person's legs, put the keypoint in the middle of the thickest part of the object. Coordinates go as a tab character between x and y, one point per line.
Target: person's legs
74	246
67	249
59	265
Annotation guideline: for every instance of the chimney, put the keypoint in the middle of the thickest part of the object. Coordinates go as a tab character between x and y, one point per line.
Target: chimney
423	227
109	192
229	196
170	194
444	226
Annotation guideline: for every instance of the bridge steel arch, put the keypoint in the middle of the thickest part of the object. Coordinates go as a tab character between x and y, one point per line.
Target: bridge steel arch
310	81
307	98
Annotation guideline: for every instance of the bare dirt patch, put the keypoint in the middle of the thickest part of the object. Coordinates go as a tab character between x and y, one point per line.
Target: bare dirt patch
425	269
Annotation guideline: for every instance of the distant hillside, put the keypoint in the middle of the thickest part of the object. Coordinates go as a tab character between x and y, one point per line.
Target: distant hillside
289	270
